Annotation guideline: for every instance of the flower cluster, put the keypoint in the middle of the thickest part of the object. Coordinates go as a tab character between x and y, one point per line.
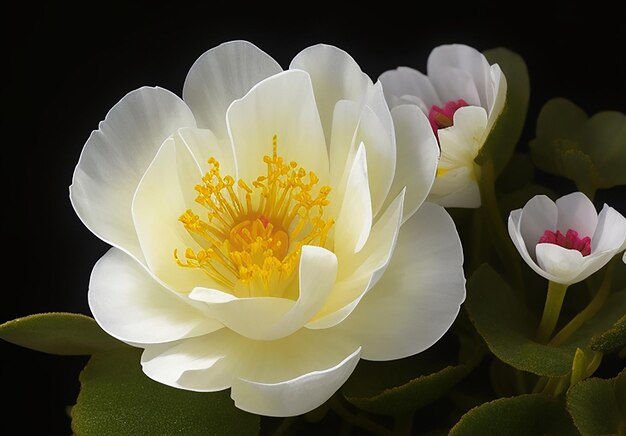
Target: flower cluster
274	229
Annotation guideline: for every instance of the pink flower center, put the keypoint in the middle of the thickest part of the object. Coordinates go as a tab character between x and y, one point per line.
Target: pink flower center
570	240
441	118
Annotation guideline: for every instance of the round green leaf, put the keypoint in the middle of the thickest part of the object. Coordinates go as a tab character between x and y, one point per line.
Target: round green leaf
59	333
598	406
116	398
524	415
589	151
508	127
508	327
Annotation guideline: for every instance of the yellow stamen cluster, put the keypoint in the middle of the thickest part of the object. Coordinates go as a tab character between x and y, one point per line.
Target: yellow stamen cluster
253	236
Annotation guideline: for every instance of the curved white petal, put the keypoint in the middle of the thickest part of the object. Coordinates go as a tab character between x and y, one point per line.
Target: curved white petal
456	188
407	81
560	263
354	220
577	212
284	377
203	145
165	192
359	272
459	57
610	230
419	295
287	398
335	76
418	153
131	306
538	215
222	75
496	95
282	105
453	84
116	156
265	318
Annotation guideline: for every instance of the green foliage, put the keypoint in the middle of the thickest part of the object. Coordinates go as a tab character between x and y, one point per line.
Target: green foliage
611	340
509	328
59	333
589	151
598	406
116	398
524	415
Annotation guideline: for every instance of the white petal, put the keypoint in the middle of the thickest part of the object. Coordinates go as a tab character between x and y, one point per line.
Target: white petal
116	156
203	144
419	295
342	147
294	375
576	212
354	221
359	272
274	318
131	306
285	377
165	192
456	188
561	263
407	81
538	215
195	364
496	95
222	75
282	105
418	153
611	229
514	225
335	76
463	58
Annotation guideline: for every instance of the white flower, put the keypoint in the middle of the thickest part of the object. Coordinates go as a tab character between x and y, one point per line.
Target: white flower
462	96
568	241
256	228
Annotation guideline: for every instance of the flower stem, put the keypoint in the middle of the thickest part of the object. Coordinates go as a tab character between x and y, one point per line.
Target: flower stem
501	240
551	311
588	312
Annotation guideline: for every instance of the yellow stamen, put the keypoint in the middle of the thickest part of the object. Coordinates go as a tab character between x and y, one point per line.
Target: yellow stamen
252	237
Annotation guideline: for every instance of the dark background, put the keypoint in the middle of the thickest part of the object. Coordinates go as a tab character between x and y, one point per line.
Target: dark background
68	66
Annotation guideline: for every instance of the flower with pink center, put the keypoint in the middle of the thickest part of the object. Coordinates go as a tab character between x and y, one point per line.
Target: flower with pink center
462	96
566	241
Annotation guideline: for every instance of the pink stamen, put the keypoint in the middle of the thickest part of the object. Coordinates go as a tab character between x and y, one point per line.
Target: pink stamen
570	240
441	118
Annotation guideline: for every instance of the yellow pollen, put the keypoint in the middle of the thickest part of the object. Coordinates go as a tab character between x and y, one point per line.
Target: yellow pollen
253	233
441	171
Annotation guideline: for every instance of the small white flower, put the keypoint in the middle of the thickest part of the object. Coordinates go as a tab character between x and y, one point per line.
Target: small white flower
566	241
462	96
268	228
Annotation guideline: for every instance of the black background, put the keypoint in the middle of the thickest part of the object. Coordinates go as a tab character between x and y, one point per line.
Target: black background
68	66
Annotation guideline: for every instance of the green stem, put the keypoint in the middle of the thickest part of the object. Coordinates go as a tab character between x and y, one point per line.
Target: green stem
551	311
501	240
588	312
358	420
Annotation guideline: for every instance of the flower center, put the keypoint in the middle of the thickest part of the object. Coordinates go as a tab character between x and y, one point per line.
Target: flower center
253	235
441	118
570	240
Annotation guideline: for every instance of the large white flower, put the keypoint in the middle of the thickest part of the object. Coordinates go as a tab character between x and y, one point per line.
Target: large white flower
462	96
268	228
566	241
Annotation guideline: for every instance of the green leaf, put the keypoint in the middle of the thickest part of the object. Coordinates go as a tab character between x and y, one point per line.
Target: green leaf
532	414
59	333
508	327
589	151
611	340
117	398
598	406
402	386
508	127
